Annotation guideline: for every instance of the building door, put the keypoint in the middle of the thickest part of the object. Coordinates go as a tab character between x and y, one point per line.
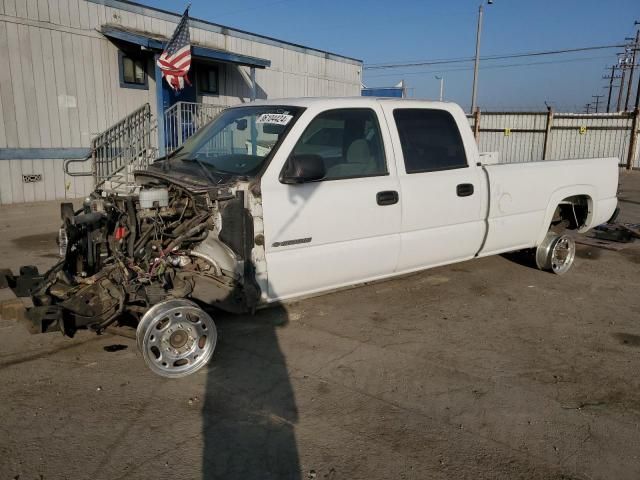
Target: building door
178	122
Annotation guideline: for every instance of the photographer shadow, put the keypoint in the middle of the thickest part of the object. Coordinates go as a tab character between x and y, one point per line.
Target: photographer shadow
249	410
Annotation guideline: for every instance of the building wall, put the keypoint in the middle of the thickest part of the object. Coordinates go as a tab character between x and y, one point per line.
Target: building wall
61	85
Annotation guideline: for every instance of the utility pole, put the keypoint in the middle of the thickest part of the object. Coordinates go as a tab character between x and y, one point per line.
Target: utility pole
636	43
622	62
610	77
637	96
638	87
587	107
597	97
476	64
441	78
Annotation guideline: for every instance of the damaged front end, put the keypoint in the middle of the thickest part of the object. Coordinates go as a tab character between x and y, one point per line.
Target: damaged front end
125	255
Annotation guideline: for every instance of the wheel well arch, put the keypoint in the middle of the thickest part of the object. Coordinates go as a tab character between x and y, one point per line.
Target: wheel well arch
573	213
569	209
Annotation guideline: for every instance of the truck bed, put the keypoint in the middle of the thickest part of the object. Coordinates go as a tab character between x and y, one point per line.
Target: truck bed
524	196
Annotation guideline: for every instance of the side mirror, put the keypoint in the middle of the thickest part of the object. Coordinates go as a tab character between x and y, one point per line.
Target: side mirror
303	168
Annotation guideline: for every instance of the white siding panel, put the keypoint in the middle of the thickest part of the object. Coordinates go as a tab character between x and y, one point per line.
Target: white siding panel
215	40
83	11
18	88
61	87
10	7
294	85
158	27
51	92
6	188
40	85
272	82
107	83
6	91
147	24
128	19
93	16
317	87
74	13
29	86
63	8
32	9
49	179
110	57
60	179
90	85
43	10
3	137
102	14
81	92
29	167
16	180
101	93
140	23
21	8
112	16
71	92
54	12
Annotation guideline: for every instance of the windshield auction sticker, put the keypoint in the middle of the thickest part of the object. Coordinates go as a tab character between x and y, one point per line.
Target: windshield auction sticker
275	118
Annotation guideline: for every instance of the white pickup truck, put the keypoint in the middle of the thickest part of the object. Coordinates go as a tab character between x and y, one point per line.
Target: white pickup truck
277	200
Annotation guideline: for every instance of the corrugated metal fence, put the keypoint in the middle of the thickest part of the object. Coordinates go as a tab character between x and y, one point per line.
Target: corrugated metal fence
531	136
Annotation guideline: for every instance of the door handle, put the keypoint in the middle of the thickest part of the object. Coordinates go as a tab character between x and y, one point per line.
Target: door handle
464	189
388	197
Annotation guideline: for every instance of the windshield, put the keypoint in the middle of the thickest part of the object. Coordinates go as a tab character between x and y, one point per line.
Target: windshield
239	140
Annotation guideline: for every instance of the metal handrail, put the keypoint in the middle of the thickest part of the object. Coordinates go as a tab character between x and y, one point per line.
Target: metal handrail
116	146
69	161
130	143
183	119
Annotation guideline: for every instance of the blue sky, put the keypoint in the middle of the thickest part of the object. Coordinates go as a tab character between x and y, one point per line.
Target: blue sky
391	31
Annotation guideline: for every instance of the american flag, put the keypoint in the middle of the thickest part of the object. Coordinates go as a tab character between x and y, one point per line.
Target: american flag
176	58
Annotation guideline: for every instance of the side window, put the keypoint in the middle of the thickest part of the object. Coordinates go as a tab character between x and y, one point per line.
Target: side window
430	140
207	79
132	71
348	141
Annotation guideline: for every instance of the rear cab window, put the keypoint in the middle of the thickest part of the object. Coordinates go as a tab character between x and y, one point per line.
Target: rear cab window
430	140
349	142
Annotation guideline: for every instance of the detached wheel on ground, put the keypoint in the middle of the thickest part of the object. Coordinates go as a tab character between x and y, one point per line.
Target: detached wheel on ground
176	338
556	253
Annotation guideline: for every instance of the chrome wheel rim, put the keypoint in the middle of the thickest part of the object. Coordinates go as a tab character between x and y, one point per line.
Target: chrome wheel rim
562	254
176	338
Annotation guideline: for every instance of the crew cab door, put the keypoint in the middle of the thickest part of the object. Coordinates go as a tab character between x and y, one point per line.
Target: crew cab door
443	191
340	230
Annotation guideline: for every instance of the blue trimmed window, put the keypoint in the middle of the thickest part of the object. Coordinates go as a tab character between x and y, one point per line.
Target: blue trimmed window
207	80
133	72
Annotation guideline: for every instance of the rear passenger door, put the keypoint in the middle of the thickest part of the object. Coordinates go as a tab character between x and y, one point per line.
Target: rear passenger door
442	204
343	229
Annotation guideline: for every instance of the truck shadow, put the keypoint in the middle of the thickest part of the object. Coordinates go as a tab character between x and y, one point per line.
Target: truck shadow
526	258
249	411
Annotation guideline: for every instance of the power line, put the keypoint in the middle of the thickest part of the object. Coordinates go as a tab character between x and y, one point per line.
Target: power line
490	67
383	66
